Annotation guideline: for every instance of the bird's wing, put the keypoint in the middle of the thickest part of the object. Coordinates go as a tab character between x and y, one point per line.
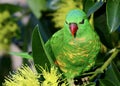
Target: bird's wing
53	45
49	49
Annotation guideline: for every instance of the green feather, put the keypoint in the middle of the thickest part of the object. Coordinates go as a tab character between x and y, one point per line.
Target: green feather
74	54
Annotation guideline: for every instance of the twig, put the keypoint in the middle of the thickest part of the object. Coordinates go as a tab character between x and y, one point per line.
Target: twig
105	65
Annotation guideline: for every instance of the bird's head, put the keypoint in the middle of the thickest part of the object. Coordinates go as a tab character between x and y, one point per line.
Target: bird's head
76	21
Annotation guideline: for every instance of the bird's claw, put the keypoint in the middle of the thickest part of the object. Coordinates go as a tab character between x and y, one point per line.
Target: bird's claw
85	80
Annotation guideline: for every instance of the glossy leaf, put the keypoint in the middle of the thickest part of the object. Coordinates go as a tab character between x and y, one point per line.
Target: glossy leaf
88	5
95	7
39	53
53	4
101	27
21	54
113	14
112	76
106	83
37	6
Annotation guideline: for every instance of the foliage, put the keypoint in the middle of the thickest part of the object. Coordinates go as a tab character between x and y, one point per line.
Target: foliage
37	6
59	17
37	44
113	18
105	18
112	76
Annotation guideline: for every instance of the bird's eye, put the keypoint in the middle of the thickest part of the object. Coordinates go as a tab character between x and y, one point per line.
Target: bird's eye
82	22
66	22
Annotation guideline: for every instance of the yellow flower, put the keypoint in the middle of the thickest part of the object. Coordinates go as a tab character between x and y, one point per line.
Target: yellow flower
23	77
26	77
8	30
52	78
65	7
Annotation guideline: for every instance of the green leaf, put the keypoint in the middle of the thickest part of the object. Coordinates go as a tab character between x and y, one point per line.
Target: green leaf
40	55
103	31
88	5
112	76
37	6
21	54
95	7
113	14
11	8
106	83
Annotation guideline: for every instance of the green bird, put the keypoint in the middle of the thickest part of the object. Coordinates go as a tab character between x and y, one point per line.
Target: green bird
74	48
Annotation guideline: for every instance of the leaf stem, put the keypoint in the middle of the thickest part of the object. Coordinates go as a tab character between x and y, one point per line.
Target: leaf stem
105	65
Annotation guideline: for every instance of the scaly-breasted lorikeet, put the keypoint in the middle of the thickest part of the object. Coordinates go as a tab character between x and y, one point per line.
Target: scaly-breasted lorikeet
74	47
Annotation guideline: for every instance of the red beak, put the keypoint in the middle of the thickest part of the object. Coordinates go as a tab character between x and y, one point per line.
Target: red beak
73	28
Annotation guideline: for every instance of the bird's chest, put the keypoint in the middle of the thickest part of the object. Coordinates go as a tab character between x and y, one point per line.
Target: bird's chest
76	48
75	51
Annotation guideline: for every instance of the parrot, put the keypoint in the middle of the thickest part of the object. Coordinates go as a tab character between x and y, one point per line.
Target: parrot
75	47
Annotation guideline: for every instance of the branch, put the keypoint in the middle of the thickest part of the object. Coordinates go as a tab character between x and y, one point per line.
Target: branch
105	65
